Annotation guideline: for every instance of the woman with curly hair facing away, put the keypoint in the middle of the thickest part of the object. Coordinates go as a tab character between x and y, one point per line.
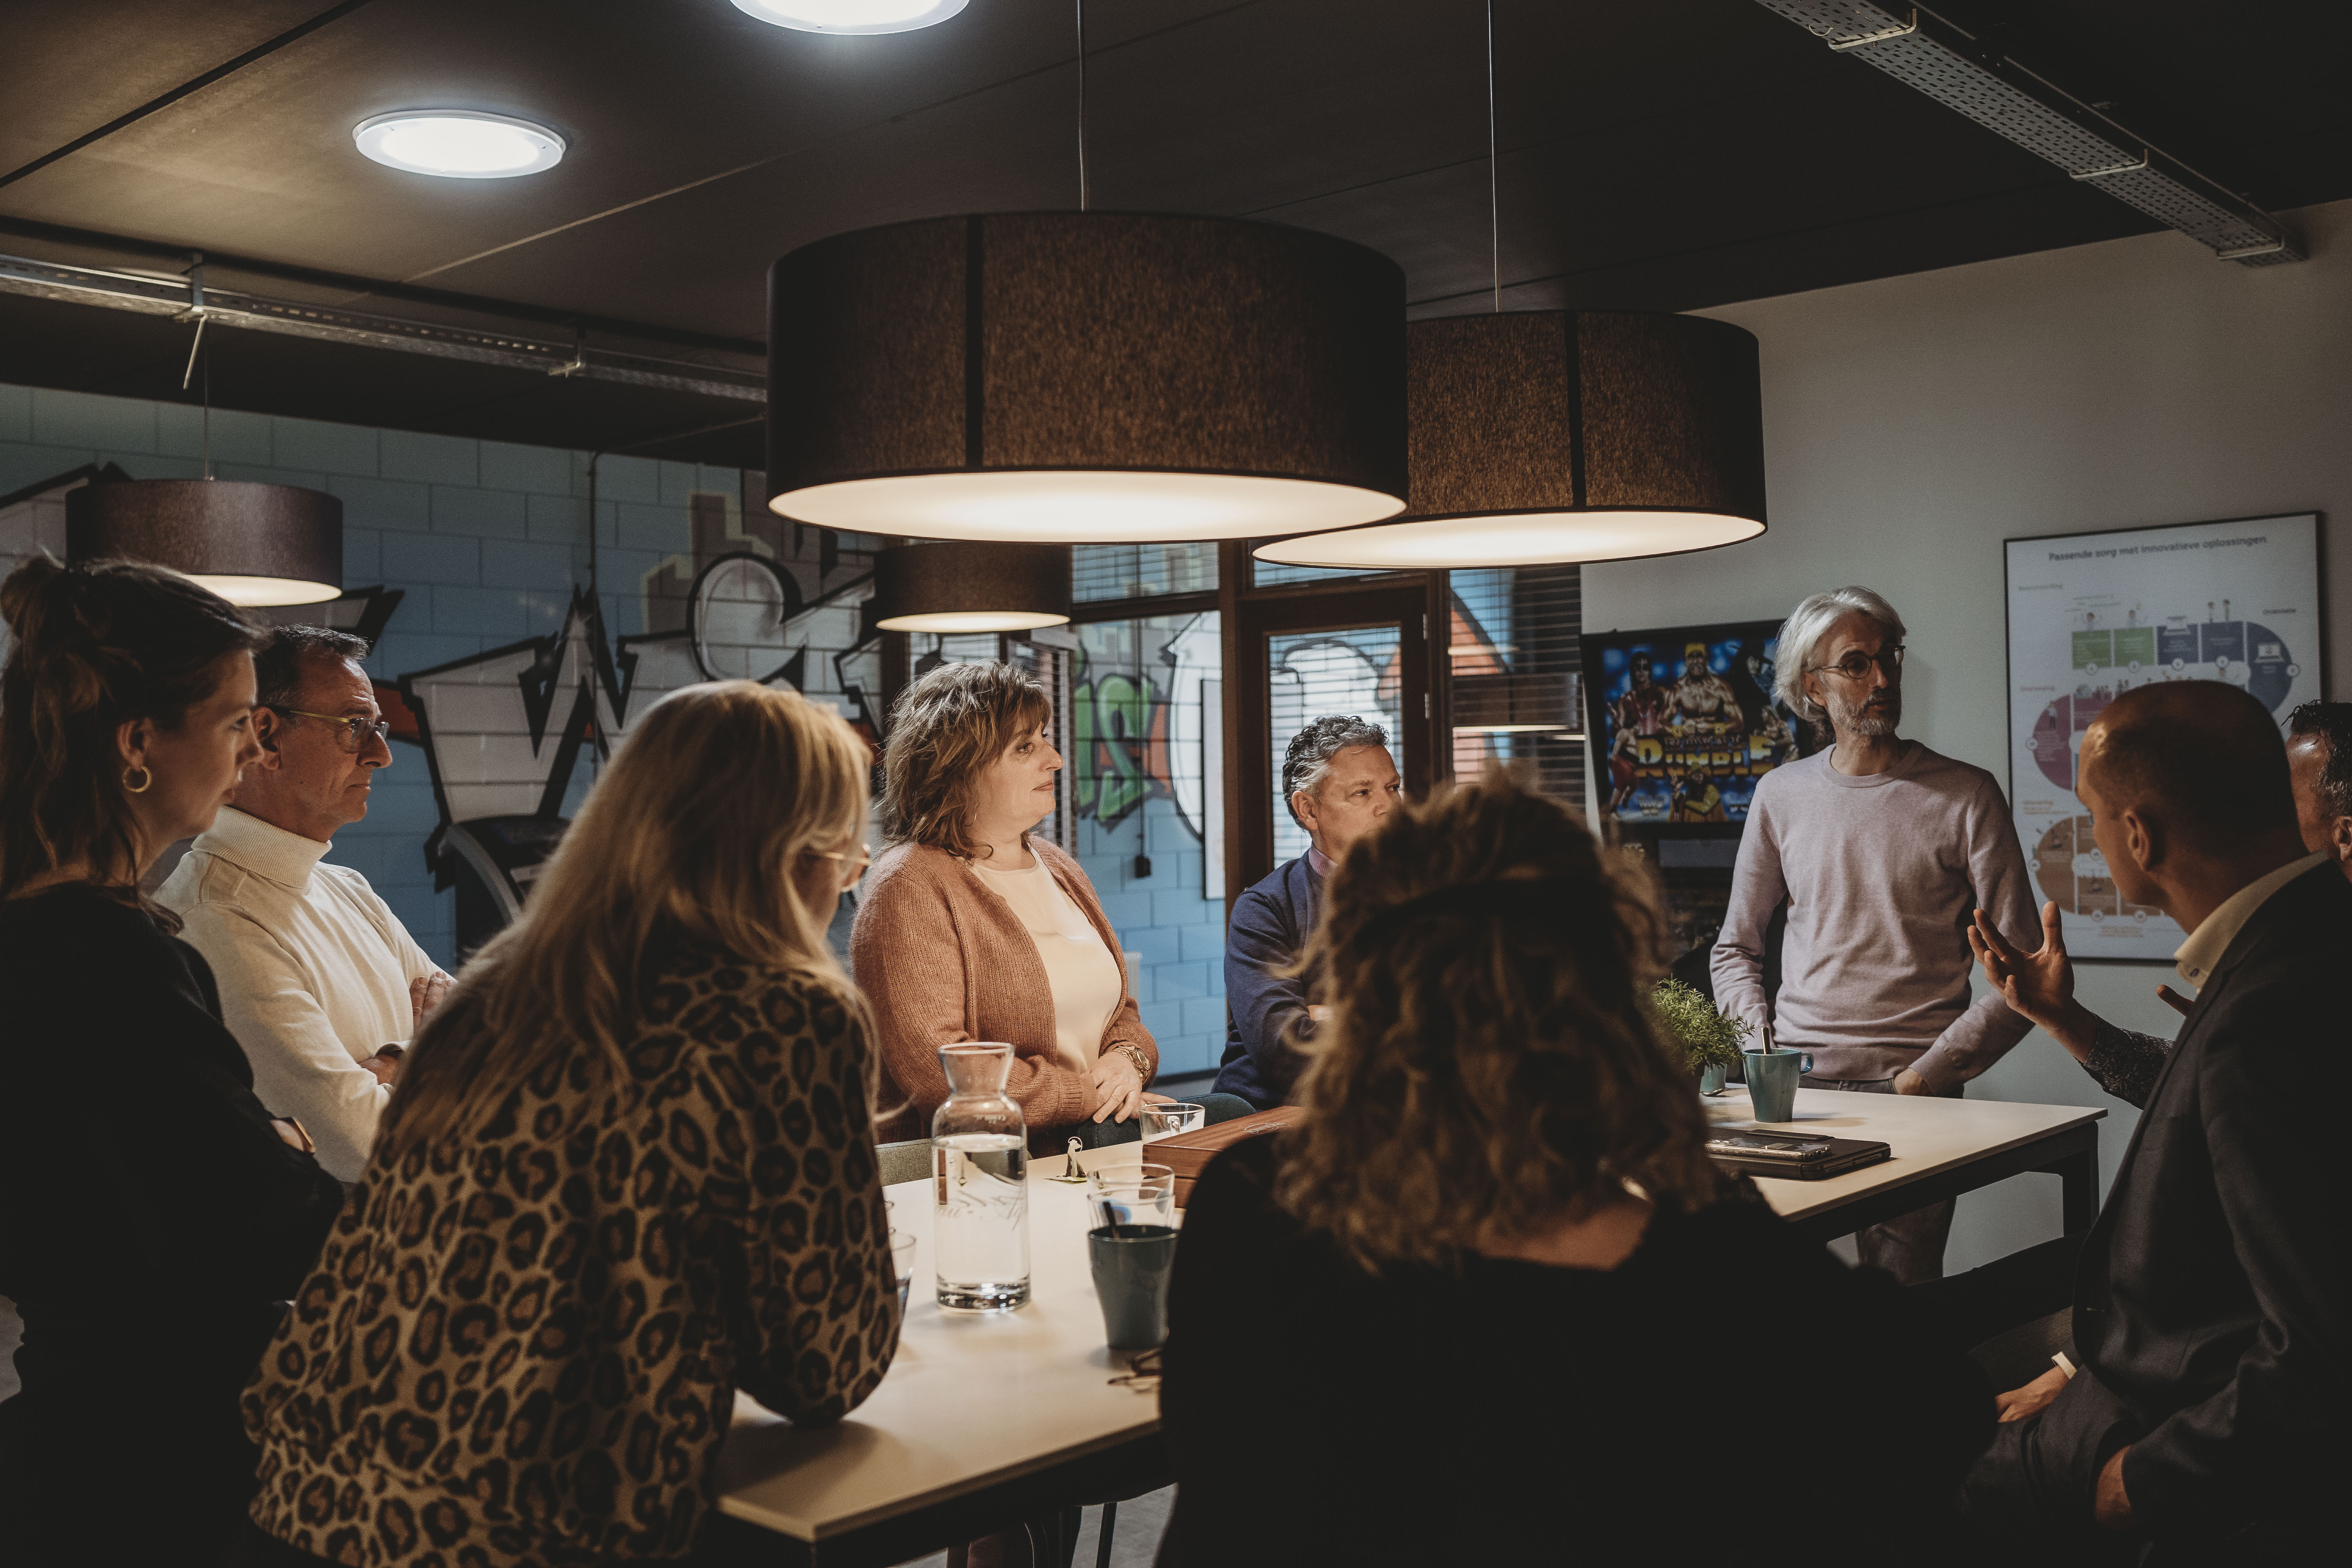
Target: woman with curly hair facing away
152	1214
970	928
1490	1302
630	1170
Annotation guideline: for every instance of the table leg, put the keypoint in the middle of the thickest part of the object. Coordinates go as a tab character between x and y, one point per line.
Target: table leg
2078	1175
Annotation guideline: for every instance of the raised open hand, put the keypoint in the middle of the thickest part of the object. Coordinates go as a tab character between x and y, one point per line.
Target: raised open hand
2040	985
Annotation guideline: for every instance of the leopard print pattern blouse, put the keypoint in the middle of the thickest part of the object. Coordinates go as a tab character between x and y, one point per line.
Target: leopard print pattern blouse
522	1348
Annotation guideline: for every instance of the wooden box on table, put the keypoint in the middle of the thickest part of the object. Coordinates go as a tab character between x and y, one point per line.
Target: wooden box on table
1188	1154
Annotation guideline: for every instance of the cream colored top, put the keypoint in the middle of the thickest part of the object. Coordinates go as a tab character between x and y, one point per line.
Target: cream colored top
313	973
1086	978
2195	958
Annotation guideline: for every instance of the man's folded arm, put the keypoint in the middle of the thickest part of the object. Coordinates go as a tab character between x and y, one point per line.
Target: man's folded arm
300	1067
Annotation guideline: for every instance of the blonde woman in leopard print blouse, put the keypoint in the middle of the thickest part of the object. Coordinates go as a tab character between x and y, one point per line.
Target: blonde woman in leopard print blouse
629	1169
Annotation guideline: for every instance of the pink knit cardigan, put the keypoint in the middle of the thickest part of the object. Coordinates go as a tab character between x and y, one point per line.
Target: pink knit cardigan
943	959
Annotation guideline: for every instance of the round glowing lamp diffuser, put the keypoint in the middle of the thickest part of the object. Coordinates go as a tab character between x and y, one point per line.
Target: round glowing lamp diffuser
253	544
965	587
1085	378
1558	436
851	16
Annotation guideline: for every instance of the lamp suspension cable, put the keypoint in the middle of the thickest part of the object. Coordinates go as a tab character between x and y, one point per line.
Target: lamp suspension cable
1493	174
201	314
1083	193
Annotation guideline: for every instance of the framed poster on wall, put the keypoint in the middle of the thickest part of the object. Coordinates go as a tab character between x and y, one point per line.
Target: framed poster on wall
1682	723
2091	615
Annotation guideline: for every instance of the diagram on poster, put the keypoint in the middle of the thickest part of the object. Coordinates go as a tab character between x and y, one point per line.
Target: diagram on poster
2091	615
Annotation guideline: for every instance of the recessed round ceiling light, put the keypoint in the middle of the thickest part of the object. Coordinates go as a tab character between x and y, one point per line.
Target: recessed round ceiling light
459	144
851	16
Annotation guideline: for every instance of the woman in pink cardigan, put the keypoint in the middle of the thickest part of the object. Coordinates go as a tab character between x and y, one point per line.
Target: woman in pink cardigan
967	929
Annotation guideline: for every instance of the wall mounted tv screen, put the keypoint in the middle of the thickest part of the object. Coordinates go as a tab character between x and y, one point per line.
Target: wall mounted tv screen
1682	722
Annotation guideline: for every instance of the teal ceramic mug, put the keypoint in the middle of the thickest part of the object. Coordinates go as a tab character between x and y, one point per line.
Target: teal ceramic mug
1772	1082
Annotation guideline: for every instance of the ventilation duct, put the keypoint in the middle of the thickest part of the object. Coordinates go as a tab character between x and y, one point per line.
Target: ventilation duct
1970	76
189	300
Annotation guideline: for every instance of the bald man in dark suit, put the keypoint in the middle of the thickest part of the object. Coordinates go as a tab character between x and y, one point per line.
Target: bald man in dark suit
2205	1416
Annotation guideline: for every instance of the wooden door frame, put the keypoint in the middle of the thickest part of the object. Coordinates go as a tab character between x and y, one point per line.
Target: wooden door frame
1415	602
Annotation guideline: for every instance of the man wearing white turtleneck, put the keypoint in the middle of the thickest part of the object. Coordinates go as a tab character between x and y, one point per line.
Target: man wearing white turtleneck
319	981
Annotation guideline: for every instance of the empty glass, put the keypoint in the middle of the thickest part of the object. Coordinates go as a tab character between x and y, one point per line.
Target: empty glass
1132	1194
902	1265
1166	1119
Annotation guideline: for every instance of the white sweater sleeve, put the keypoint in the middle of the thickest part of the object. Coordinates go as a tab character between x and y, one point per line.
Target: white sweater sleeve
416	963
299	1067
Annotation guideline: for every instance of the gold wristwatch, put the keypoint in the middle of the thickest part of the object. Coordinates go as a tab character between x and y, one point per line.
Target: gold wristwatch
1134	1054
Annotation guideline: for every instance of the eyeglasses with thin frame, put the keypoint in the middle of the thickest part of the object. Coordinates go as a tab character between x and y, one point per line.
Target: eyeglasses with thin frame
1855	665
852	864
354	730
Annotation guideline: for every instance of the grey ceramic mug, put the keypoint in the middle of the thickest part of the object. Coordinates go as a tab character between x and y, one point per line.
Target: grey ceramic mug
1132	1264
1772	1082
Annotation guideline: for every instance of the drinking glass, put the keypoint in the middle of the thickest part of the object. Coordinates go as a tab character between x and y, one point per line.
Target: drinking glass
1166	1119
1131	1196
902	1265
1102	1175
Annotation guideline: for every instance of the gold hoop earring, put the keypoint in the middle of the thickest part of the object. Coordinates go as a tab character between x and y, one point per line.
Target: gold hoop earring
146	777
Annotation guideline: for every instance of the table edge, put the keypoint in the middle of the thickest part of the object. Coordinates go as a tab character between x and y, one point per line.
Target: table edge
1917	1173
730	1505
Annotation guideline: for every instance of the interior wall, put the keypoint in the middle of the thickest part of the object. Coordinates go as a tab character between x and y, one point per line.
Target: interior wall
1912	424
485	538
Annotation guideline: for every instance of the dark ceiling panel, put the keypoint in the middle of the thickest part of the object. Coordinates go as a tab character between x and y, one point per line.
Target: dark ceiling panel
1666	154
69	68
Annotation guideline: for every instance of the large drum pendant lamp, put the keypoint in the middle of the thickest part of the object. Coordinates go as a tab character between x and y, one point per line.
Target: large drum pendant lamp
1563	435
960	586
1085	378
253	544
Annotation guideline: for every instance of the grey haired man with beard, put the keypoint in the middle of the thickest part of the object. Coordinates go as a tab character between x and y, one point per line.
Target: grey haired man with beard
1881	850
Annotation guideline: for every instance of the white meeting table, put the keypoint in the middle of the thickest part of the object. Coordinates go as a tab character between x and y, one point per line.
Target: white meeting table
972	1407
1941	1148
983	1421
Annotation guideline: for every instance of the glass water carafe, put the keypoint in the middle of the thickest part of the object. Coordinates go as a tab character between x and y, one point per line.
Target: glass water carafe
980	1172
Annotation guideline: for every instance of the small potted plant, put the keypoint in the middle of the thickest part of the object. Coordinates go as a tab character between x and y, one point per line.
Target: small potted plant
1710	1036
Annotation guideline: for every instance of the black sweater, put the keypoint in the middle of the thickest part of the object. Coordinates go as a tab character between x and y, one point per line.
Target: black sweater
150	1217
1716	1397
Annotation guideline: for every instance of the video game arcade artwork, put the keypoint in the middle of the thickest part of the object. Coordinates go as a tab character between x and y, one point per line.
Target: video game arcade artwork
1683	722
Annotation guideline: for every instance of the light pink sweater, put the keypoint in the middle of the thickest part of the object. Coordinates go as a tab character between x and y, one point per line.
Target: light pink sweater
1881	873
943	959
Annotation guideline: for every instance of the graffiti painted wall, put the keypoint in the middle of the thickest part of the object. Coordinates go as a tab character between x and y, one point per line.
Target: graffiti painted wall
1146	730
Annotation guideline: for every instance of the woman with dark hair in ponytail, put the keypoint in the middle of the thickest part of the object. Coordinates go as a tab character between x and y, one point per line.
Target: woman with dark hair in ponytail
152	1214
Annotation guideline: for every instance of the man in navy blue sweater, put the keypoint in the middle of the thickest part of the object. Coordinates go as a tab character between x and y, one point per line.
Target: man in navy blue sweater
1338	781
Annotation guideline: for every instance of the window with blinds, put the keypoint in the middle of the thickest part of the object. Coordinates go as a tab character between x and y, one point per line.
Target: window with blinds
1516	672
1102	572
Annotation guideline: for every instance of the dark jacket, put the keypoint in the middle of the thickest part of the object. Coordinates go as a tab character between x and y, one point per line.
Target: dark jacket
1270	925
151	1221
2211	1297
1512	1412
